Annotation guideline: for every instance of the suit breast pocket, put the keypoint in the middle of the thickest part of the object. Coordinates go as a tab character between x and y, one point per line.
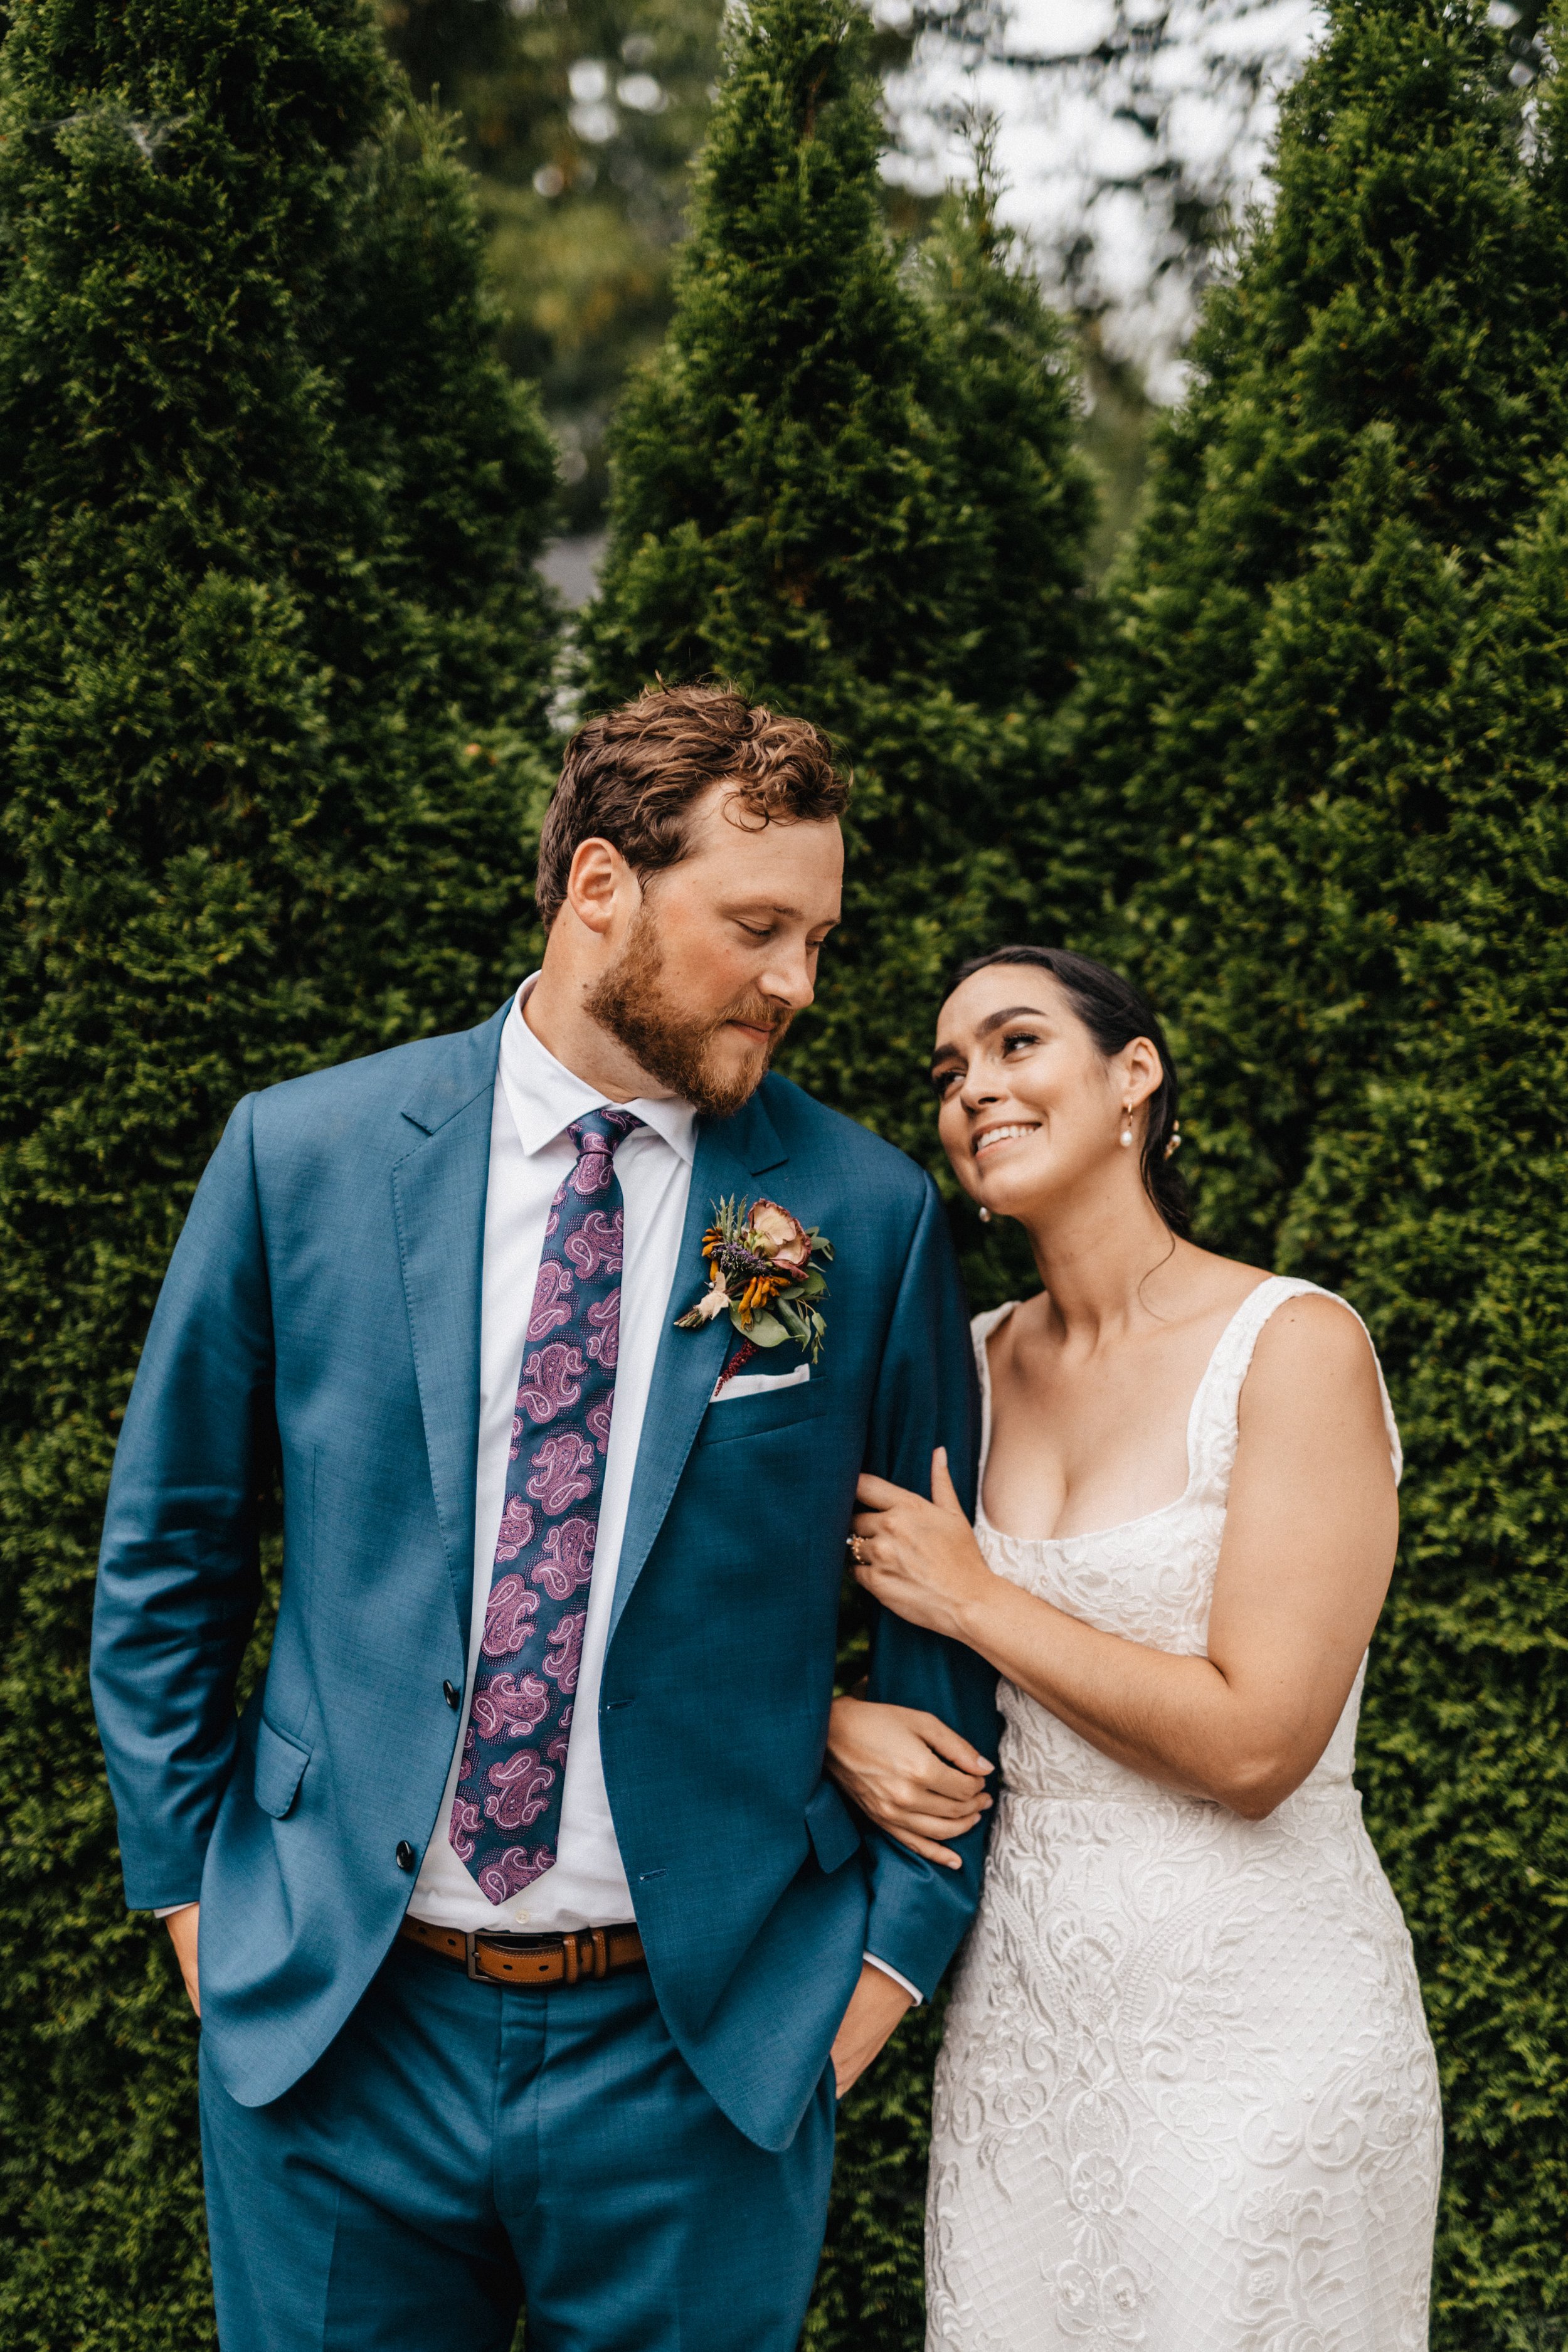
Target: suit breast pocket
751	1416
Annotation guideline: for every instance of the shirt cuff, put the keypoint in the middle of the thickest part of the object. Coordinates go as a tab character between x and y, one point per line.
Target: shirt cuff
172	1910
914	1991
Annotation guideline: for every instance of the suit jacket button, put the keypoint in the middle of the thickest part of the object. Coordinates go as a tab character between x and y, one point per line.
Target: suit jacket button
452	1695
404	1855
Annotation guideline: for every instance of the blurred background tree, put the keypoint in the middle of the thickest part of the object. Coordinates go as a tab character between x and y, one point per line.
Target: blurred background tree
580	118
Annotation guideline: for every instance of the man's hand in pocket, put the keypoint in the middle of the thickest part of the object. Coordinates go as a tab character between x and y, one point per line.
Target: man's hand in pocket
182	1926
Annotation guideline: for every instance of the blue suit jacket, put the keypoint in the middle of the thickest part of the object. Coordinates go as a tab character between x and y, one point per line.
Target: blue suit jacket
324	1303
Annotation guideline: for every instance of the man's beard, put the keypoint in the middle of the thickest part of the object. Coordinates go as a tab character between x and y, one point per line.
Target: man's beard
677	1047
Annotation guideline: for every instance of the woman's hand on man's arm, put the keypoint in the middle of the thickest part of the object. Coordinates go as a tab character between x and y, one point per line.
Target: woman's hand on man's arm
908	1773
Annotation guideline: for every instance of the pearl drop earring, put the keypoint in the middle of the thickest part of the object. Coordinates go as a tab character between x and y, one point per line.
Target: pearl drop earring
986	1216
1127	1130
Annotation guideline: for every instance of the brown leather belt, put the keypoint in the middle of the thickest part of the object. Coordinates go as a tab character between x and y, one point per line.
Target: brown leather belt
592	1953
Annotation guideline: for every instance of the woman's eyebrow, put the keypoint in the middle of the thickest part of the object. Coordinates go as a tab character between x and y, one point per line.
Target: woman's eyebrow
993	1021
996	1020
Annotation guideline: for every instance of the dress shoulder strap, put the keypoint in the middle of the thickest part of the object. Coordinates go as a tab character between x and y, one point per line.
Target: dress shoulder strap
1212	1432
980	1330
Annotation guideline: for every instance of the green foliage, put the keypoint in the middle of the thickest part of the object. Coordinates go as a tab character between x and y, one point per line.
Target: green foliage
272	657
1435	1196
1318	810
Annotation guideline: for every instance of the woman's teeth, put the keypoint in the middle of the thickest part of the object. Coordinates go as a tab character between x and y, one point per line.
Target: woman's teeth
999	1135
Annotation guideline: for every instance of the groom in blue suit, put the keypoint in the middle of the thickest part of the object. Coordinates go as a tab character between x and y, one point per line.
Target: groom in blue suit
530	1944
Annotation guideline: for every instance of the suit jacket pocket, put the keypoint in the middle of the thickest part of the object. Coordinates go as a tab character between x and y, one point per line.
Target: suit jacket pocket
830	1826
280	1767
750	1416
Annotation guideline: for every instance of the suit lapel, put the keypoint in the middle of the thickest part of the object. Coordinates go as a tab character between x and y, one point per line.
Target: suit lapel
729	1152
439	1202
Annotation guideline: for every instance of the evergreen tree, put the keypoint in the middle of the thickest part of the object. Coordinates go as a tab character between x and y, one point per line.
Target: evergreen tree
849	483
272	657
1323	744
851	487
1361	436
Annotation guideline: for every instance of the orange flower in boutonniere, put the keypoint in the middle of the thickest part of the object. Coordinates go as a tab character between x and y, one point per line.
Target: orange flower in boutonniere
762	1270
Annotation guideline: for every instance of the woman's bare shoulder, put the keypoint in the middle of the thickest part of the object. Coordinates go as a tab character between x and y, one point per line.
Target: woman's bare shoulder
1314	1344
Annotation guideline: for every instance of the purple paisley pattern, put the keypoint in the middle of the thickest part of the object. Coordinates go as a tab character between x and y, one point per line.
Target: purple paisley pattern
551	1380
566	1560
506	1815
508	1614
511	1871
519	1788
467	1821
604	1344
596	1170
563	1471
551	1300
565	1640
508	1708
597	1244
516	1528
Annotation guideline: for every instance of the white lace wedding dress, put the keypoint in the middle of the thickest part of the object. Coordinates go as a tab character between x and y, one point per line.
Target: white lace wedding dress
1187	2098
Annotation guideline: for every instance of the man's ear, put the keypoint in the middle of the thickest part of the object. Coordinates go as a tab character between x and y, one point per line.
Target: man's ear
597	883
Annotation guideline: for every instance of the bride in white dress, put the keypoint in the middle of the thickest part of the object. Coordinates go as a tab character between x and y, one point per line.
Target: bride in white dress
1187	2099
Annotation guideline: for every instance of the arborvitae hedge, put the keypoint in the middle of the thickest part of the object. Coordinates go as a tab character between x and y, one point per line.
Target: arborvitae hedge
848	482
1373	392
271	660
1322	770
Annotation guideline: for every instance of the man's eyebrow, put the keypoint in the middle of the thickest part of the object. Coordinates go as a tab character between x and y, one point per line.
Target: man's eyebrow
772	907
993	1021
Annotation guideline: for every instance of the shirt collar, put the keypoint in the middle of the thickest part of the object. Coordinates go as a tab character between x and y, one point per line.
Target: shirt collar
544	1097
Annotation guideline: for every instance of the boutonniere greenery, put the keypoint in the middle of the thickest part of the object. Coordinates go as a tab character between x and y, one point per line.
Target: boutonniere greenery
763	1272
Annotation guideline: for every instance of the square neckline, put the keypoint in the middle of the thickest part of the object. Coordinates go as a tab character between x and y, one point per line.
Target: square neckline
993	1322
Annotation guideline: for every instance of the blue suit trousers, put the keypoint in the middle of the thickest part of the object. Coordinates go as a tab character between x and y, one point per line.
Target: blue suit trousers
461	2147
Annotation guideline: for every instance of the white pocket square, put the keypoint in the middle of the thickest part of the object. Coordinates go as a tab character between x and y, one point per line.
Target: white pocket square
745	1384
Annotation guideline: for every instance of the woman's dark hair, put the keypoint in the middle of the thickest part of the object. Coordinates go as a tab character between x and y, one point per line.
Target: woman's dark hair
1114	1013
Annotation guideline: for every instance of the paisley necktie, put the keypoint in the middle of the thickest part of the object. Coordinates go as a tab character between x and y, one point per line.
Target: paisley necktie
506	1816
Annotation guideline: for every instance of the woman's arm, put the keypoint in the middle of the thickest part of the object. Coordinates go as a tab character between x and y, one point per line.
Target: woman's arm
916	1779
1304	1565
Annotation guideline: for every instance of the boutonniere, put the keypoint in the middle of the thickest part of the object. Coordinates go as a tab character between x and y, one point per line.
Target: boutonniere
763	1271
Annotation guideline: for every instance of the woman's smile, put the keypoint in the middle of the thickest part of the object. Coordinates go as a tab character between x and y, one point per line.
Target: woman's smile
989	1136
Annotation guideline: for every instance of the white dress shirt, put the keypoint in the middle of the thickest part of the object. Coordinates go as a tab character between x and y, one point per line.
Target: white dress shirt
536	1098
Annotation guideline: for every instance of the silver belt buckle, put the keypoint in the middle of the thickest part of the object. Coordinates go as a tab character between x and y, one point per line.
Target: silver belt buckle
471	1957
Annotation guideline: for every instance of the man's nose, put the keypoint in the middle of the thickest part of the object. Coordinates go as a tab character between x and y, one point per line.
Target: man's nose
788	979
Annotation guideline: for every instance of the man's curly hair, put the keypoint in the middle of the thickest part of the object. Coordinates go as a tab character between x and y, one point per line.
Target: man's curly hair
631	775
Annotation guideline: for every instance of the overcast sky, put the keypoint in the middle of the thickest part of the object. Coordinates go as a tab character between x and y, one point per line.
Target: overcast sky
1059	139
